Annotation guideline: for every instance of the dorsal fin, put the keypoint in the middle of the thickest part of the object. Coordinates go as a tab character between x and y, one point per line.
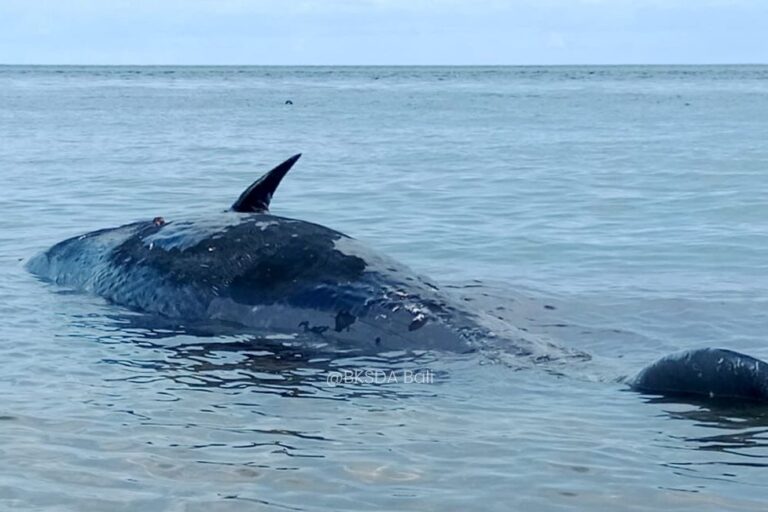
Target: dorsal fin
256	198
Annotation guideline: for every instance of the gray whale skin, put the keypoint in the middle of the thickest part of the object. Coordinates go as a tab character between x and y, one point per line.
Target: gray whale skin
248	267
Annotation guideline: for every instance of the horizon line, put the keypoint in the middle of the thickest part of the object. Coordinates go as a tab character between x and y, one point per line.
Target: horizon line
387	65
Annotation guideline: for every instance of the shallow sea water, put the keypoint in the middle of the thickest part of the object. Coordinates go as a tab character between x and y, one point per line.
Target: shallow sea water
617	210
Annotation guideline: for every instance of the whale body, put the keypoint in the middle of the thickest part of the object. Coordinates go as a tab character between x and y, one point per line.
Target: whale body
248	267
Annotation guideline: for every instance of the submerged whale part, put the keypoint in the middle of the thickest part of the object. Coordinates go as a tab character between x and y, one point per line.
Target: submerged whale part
710	373
250	268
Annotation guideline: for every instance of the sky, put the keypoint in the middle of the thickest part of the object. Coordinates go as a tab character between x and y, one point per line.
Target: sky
383	32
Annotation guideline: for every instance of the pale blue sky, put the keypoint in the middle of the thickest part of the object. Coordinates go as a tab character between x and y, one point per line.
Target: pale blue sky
383	31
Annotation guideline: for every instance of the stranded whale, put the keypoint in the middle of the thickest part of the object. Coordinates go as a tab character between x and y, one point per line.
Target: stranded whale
251	268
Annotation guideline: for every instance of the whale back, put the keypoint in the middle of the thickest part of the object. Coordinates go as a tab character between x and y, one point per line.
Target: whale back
259	270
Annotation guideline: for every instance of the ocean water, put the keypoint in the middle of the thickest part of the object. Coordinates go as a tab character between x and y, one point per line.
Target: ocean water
617	210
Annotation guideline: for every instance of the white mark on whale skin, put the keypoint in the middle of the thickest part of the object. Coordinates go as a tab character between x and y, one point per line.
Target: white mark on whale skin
264	225
185	234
